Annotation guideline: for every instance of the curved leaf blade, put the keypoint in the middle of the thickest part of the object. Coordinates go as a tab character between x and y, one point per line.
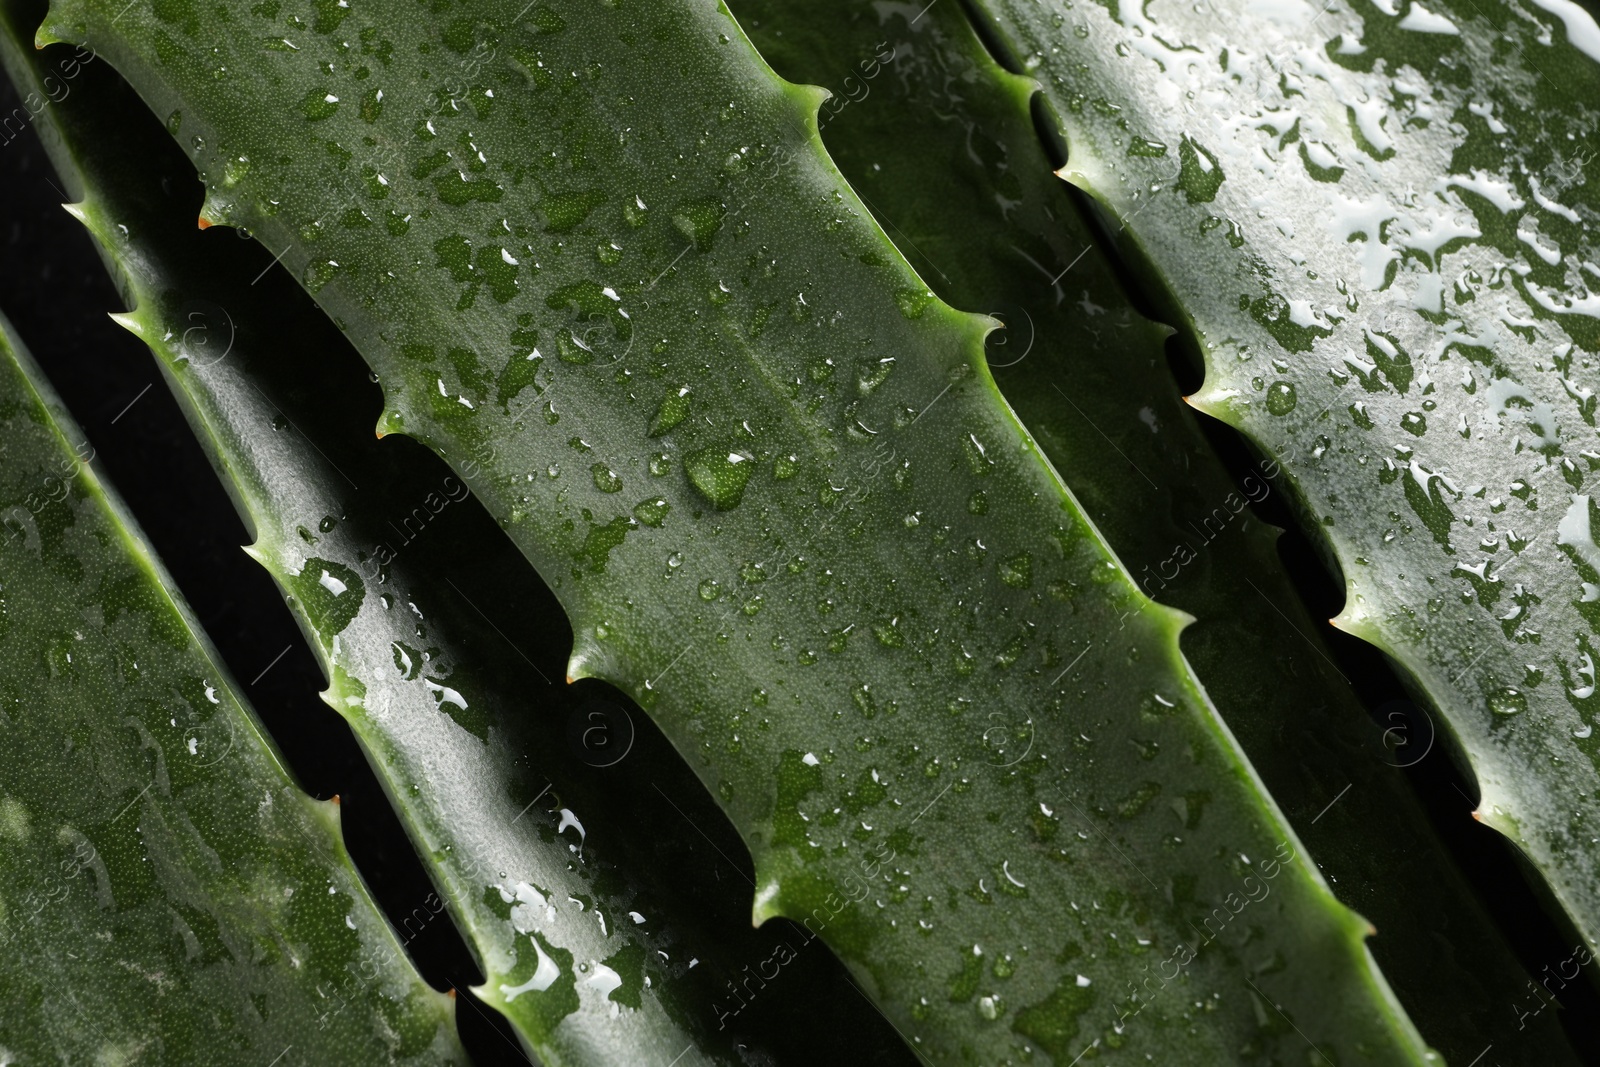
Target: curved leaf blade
638	311
1403	321
169	894
538	856
941	144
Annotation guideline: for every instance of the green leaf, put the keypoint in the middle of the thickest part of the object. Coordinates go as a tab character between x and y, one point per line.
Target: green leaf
1412	337
536	854
941	143
169	891
941	715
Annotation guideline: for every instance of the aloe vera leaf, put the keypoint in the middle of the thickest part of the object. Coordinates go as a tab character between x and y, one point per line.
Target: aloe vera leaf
627	297
520	835
941	145
171	896
1377	225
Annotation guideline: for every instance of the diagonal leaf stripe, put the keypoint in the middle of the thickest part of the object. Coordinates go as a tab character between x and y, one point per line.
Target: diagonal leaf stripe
941	145
169	892
599	262
538	856
1379	224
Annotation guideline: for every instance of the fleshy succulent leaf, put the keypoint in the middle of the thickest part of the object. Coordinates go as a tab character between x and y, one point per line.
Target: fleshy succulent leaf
842	580
589	943
941	144
1388	263
169	893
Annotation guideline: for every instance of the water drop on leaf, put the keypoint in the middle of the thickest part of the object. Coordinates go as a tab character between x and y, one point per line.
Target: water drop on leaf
1281	398
719	474
673	410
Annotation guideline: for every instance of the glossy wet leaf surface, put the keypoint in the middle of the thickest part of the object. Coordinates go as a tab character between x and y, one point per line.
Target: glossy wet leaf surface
869	615
170	895
509	785
1383	238
940	144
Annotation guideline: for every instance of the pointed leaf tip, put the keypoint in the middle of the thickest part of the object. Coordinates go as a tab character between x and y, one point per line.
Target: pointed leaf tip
766	904
129	321
43	38
205	223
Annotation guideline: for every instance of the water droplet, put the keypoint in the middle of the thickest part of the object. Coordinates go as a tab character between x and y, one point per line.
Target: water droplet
913	302
673	410
564	212
1017	572
371	105
318	104
318	273
1199	176
635	212
699	220
652	512
1507	701
874	374
977	455
719	474
605	479
1281	397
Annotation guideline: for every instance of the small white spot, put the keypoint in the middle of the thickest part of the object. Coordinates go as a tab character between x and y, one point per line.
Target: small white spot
544	975
569	819
445	695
